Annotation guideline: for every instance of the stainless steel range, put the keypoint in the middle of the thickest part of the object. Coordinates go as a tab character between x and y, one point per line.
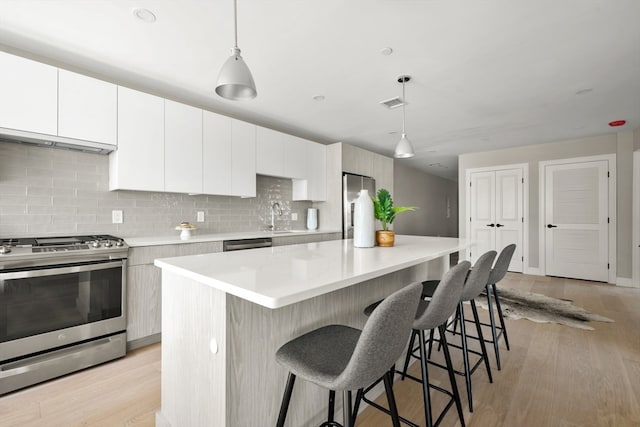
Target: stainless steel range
62	306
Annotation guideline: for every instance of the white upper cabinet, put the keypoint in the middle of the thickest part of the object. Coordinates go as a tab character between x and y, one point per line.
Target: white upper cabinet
243	158
216	154
296	153
87	108
270	154
138	164
317	172
28	95
182	148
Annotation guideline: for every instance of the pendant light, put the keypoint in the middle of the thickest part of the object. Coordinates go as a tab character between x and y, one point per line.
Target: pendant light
234	80
404	149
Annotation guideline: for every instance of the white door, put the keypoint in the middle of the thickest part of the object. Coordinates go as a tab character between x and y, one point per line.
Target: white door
576	220
497	213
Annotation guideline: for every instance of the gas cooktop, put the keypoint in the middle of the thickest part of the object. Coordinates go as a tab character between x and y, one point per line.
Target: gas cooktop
22	246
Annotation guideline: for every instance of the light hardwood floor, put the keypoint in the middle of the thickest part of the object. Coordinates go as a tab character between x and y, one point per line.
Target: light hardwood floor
553	376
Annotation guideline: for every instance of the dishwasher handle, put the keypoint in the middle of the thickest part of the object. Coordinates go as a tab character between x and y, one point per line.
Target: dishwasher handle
240	244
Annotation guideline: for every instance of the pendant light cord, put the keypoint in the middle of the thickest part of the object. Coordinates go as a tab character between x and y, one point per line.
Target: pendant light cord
404	102
235	21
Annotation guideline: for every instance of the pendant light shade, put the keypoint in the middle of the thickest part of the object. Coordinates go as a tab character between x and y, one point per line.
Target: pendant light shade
235	81
404	149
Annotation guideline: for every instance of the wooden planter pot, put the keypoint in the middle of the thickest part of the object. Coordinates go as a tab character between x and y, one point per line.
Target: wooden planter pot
385	238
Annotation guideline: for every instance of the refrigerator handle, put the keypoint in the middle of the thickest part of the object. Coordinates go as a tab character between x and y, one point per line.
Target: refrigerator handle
353	208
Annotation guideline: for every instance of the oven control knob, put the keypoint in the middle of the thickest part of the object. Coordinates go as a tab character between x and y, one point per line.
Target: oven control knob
119	243
95	244
5	249
108	244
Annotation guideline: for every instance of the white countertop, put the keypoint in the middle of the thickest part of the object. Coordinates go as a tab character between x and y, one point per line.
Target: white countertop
217	237
279	276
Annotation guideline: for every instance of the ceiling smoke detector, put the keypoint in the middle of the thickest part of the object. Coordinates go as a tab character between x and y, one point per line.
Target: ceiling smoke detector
393	103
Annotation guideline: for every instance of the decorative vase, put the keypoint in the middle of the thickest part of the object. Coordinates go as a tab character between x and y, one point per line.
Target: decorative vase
385	238
312	219
363	221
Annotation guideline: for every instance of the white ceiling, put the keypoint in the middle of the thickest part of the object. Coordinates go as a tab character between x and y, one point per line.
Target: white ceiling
487	74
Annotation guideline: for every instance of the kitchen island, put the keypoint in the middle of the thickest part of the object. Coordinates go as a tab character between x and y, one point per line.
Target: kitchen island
226	314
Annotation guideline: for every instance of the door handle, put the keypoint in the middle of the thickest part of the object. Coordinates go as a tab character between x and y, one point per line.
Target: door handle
499	225
551	226
491	225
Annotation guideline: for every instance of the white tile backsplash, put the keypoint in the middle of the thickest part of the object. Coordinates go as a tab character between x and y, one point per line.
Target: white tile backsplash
45	191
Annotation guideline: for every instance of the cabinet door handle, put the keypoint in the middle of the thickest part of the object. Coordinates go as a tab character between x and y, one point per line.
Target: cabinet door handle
551	226
491	225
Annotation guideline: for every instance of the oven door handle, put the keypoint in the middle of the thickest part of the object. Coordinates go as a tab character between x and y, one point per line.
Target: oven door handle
60	270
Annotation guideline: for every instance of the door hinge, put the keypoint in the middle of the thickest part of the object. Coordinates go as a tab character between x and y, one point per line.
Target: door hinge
523	220
469	183
608	220
523	180
608	174
469	219
522	259
607	266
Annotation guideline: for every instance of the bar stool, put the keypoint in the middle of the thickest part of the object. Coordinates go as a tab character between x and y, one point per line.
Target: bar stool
497	274
474	284
433	315
341	358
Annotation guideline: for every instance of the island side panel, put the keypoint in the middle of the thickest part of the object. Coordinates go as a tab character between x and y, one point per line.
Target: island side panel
193	378
255	381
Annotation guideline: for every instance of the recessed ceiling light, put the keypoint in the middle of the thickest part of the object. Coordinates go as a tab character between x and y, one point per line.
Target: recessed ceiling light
617	123
145	15
318	97
386	51
584	91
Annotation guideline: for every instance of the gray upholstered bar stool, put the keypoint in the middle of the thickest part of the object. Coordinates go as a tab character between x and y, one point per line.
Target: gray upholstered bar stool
432	315
474	284
497	274
342	358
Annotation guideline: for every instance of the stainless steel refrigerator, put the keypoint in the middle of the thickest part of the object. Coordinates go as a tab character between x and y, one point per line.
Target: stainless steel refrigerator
351	186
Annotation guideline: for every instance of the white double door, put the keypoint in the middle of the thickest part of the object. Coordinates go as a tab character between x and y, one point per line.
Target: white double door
576	221
496	214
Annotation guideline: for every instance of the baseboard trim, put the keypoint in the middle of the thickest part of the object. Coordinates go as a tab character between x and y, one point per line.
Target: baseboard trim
626	282
144	341
533	271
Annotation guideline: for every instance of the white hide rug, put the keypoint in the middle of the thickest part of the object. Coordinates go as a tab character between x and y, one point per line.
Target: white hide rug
539	308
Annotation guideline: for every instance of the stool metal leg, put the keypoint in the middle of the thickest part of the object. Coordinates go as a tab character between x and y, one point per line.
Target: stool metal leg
425	381
465	356
347	414
414	334
388	386
476	319
452	376
356	405
286	398
502	325
492	321
332	405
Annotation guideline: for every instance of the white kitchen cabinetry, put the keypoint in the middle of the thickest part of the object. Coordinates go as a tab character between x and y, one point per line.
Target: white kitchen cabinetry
87	108
296	157
314	186
243	158
138	163
270	152
29	95
216	154
182	148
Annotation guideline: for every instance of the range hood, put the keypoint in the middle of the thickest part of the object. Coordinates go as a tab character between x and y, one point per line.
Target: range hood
32	138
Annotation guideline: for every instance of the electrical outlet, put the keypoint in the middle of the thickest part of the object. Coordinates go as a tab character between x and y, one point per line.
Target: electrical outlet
294	216
200	216
116	217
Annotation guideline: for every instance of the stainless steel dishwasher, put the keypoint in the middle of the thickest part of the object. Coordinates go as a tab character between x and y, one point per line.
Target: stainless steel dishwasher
240	244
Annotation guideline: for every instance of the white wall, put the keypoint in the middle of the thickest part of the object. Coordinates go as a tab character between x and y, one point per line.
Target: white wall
621	144
430	194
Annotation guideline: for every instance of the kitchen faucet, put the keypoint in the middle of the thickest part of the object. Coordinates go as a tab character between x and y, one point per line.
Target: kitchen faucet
275	208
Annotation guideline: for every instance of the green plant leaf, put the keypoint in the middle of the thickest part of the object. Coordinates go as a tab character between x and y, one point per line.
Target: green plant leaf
383	208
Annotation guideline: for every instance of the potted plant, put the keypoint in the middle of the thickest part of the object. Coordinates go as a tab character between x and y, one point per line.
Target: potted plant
385	212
